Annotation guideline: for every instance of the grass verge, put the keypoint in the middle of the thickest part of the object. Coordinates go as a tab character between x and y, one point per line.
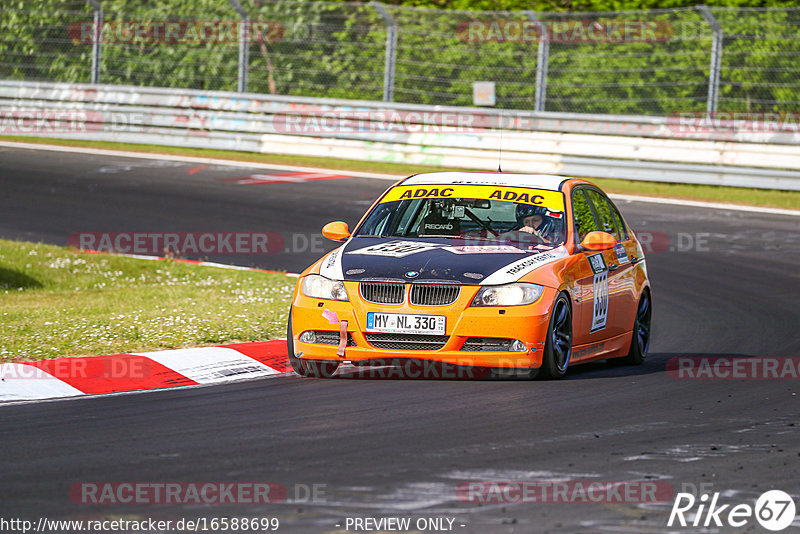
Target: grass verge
731	195
57	302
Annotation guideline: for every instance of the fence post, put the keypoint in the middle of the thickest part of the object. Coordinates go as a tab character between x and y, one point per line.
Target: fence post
542	58
96	34
716	59
244	45
391	51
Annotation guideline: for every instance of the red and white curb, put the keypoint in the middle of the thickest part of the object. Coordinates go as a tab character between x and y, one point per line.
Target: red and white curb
97	375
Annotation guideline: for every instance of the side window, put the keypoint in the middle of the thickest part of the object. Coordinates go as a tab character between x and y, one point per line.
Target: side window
582	215
411	214
376	222
603	212
623	231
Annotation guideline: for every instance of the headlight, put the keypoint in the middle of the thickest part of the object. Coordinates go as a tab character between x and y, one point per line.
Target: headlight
319	287
508	295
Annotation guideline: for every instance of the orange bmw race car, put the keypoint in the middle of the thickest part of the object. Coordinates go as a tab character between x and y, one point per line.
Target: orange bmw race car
520	272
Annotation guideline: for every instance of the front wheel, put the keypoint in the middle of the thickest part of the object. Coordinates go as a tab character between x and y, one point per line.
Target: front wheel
310	368
558	347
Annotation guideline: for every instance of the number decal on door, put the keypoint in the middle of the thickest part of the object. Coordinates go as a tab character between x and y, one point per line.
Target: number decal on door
600	306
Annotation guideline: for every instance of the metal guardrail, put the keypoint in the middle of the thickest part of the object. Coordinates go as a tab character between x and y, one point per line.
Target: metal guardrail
603	146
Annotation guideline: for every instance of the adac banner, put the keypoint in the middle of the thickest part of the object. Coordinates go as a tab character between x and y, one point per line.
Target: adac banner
552	200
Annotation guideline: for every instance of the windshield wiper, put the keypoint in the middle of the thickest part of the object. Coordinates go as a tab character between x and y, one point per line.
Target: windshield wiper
440	235
480	223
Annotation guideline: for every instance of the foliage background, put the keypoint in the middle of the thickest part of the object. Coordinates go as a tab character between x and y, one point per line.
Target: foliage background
336	49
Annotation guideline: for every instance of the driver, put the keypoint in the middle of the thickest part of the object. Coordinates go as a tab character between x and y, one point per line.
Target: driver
532	220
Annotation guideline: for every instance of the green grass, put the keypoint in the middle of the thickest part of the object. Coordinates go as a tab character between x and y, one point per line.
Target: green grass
731	195
57	302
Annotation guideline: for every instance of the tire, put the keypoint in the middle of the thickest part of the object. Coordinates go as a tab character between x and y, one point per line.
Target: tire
309	368
640	338
558	346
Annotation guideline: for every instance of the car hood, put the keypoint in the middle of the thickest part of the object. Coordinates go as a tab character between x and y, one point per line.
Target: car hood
434	259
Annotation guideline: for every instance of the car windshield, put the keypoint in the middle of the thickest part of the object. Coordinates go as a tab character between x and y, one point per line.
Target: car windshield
485	219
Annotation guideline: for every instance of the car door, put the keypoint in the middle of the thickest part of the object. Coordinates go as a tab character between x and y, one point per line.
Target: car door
590	292
615	282
627	257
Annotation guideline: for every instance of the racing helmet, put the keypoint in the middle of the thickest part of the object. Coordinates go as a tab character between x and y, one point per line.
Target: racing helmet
548	226
526	210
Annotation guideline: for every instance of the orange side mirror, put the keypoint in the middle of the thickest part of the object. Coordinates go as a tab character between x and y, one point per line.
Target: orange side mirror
598	241
336	231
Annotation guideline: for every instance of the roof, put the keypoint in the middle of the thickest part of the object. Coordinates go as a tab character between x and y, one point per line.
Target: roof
538	181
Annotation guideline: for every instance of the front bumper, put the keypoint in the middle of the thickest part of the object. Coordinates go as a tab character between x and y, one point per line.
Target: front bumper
524	323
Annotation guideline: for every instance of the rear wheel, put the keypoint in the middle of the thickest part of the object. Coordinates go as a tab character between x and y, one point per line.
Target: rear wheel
311	368
640	341
558	346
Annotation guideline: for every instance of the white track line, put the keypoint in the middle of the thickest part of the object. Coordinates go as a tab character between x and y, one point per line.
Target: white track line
711	205
196	262
197	159
358	174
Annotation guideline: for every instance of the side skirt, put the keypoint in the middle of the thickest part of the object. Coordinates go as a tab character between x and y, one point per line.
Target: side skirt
600	350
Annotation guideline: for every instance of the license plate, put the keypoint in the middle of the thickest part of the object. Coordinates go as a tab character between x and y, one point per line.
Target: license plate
405	323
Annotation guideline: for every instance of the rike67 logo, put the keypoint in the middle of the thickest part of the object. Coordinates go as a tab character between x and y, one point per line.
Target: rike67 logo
774	510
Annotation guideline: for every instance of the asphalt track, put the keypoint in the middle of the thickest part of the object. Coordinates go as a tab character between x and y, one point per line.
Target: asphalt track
401	447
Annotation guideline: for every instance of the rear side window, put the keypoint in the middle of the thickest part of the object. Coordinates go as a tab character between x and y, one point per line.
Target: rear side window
603	212
623	232
582	215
